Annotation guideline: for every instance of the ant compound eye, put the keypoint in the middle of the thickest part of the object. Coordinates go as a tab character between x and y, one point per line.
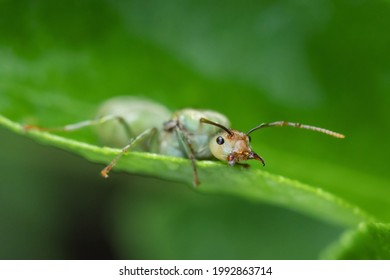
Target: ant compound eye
220	140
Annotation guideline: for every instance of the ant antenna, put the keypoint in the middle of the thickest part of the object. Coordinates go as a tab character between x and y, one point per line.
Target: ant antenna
203	120
299	125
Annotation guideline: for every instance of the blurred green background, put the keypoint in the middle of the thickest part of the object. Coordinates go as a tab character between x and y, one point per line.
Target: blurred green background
323	63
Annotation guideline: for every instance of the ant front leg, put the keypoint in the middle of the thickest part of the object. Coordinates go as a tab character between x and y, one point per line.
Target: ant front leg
186	142
139	139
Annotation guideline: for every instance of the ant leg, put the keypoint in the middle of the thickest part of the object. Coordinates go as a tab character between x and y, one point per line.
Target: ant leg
79	125
147	133
186	142
76	126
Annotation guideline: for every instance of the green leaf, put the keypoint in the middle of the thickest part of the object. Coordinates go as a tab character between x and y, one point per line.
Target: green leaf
253	184
322	63
370	241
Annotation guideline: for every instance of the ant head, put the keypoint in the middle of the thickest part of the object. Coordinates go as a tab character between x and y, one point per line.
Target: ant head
231	145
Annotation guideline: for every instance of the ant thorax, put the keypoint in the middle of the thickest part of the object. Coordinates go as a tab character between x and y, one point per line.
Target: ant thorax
185	127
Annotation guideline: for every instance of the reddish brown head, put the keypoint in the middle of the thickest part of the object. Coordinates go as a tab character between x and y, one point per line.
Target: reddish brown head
231	145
